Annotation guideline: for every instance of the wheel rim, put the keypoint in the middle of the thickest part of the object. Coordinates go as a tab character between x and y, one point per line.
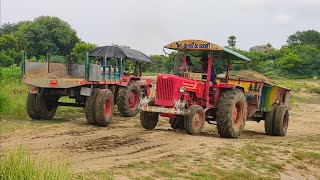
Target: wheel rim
197	120
237	115
107	107
133	99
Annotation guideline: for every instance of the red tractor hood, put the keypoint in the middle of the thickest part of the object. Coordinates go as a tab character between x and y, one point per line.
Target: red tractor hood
168	89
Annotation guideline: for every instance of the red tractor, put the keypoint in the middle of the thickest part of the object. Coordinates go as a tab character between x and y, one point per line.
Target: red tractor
190	98
93	85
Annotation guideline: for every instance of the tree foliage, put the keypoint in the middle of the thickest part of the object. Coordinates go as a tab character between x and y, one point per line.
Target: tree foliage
310	37
47	34
80	49
232	41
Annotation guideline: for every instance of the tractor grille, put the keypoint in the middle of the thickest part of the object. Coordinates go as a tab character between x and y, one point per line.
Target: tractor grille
164	90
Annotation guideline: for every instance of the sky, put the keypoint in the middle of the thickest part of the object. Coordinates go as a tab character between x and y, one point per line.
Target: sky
148	25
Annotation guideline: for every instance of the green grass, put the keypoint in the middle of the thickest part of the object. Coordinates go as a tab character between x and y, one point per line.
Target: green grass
177	167
19	164
308	156
253	156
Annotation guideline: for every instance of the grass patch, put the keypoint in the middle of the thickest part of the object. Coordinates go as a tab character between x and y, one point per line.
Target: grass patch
251	157
309	157
19	164
177	167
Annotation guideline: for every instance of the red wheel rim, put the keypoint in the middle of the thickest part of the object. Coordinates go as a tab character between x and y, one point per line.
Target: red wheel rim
197	120
237	115
133	99
107	107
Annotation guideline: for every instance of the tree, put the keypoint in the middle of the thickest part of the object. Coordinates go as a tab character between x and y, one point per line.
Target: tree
80	49
8	41
10	28
310	37
47	34
232	41
8	50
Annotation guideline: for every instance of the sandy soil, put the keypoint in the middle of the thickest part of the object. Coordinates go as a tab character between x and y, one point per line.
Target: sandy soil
91	148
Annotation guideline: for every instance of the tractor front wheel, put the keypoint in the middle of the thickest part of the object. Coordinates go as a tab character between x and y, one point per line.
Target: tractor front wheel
104	107
194	122
231	113
149	120
128	99
177	122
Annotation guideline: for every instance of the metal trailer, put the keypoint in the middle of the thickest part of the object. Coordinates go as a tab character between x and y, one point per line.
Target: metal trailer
93	85
189	99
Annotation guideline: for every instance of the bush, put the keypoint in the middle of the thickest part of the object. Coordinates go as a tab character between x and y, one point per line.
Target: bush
12	94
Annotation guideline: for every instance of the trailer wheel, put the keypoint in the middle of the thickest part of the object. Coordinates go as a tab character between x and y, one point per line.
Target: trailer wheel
128	99
177	123
269	121
231	113
104	107
281	121
90	107
45	107
194	122
31	106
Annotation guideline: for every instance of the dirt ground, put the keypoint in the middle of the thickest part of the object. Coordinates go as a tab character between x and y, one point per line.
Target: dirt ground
91	149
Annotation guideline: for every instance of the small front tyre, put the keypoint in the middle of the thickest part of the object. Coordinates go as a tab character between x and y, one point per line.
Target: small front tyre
149	120
194	122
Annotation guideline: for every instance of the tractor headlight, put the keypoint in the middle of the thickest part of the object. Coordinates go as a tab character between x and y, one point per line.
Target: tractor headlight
182	89
155	86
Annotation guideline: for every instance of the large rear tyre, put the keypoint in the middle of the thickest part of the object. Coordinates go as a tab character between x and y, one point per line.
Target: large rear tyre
104	107
281	121
269	121
128	99
194	122
231	113
90	107
45	107
31	106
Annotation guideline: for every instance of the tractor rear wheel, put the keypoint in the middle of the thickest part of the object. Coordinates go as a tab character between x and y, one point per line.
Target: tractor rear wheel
231	113
104	107
269	121
177	122
90	107
45	107
31	106
281	121
128	99
194	122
